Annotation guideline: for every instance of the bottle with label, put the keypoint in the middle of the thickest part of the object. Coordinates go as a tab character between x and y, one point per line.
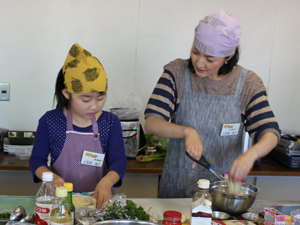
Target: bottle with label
201	207
203	190
44	199
60	213
69	186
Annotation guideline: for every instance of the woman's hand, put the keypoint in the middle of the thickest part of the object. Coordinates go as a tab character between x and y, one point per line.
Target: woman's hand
165	129
193	144
241	167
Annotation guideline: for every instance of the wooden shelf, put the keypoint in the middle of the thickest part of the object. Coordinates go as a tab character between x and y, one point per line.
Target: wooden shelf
269	167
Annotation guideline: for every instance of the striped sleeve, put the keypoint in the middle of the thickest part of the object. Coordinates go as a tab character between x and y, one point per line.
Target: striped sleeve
162	103
260	117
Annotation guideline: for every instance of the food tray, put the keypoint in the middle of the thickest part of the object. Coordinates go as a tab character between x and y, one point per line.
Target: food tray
284	157
20	138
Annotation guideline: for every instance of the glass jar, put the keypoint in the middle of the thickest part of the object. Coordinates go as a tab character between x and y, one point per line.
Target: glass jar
172	218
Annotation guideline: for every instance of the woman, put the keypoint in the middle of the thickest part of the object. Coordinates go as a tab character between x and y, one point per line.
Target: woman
208	99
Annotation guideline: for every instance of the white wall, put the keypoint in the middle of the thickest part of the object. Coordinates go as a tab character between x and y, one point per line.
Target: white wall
134	39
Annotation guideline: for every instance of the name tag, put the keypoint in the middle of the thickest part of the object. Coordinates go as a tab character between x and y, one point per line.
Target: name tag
92	158
230	129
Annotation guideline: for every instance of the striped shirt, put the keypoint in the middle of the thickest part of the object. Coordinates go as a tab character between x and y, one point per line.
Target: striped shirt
256	112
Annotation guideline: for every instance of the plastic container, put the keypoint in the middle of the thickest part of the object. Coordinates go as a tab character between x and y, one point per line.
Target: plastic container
69	186
172	218
61	213
90	198
44	199
295	217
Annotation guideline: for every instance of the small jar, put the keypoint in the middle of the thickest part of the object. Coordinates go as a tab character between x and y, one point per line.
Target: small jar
172	218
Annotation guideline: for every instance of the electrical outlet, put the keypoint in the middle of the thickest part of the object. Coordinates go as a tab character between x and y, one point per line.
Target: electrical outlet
4	91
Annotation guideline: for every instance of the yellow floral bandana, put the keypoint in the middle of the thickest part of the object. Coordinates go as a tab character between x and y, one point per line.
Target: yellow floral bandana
83	72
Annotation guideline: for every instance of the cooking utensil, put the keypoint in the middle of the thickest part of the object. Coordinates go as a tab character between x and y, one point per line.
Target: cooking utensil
28	219
18	214
250	216
232	203
203	162
217	215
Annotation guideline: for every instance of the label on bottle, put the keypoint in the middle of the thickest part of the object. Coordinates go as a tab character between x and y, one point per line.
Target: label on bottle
67	223
42	212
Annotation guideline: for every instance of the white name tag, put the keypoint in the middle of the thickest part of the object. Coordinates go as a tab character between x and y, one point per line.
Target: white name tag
92	158
230	129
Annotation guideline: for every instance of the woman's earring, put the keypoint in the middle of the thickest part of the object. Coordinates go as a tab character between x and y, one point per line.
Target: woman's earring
226	62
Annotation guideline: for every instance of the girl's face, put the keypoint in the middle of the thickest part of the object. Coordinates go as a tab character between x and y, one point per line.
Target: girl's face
85	106
206	65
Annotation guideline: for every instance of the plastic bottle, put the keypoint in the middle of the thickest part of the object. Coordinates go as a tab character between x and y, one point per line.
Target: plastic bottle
201	207
69	186
60	213
203	189
44	199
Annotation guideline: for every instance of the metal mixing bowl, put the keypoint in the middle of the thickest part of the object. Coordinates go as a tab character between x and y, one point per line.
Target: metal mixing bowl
232	203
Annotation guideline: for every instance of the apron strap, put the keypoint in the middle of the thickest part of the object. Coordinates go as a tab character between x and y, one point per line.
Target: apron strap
69	120
241	82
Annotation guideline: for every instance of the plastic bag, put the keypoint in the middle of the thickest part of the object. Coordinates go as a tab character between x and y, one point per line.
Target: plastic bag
116	207
128	109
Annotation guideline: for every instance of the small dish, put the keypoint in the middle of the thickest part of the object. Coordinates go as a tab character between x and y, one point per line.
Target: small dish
250	216
217	215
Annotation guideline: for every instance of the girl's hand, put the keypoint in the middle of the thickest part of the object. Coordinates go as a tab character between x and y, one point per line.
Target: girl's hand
57	181
193	144
102	192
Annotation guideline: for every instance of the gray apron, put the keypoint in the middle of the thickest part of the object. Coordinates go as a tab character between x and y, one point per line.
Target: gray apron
205	113
68	164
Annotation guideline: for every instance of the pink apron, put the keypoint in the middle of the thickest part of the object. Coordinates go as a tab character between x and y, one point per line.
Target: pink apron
68	164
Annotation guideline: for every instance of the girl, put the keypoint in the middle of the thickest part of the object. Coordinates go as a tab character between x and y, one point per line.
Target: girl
208	98
85	143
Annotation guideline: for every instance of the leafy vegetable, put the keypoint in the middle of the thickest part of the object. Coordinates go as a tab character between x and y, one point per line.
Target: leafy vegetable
5	215
160	143
154	156
129	211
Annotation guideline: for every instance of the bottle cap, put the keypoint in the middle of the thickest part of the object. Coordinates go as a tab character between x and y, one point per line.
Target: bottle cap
172	215
69	186
203	183
47	176
61	192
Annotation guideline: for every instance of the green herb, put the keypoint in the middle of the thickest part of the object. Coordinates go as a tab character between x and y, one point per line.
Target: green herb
154	156
5	215
129	211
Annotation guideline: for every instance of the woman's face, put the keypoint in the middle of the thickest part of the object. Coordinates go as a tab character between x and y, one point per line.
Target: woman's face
206	65
85	106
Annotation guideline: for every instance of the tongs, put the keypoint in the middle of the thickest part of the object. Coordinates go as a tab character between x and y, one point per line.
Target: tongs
203	162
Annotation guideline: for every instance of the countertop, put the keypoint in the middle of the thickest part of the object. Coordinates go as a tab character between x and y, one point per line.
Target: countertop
269	167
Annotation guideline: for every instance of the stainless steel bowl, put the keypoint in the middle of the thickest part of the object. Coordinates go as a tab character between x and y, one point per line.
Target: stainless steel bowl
232	203
125	222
